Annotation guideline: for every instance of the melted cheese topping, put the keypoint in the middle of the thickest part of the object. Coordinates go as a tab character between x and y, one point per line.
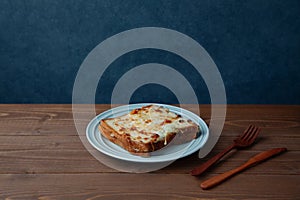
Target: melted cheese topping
149	123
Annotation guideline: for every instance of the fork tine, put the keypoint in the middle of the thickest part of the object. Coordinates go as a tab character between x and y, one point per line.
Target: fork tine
250	133
254	135
247	132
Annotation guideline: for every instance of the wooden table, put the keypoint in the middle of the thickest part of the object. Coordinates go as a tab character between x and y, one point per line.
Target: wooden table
42	157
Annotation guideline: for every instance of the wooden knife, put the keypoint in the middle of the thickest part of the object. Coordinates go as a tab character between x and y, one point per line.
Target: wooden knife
250	163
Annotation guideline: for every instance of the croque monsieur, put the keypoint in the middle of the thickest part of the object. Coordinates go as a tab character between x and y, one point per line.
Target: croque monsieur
148	129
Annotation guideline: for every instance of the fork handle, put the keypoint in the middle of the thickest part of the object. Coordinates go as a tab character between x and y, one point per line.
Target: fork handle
202	168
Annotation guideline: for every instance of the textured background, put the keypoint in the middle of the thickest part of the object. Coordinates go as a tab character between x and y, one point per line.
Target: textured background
255	44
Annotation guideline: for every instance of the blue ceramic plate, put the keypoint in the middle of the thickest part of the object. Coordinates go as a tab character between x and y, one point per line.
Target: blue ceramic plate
168	153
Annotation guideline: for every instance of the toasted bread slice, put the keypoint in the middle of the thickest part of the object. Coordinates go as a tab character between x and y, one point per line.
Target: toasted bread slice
148	129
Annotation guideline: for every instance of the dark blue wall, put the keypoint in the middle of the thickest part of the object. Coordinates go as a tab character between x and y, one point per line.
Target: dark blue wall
255	44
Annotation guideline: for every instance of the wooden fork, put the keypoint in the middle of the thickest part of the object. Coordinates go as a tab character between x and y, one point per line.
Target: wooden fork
244	140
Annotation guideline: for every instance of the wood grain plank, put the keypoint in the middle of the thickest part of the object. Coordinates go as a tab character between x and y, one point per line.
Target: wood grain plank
150	186
80	161
48	142
39	119
57	154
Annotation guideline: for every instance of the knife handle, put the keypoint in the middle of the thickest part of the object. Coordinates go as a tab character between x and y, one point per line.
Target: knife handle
222	177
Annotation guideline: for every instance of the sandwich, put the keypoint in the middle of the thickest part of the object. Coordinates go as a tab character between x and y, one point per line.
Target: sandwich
148	129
